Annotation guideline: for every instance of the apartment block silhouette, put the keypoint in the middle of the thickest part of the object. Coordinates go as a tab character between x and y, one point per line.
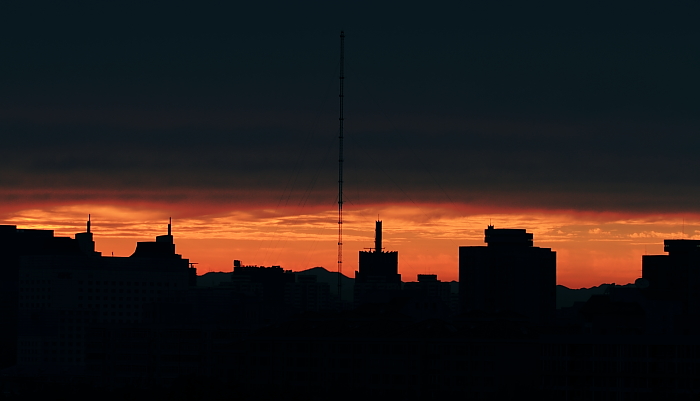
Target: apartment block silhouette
508	275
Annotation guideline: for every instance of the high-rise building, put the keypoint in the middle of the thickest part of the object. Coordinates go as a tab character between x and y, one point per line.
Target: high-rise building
508	275
63	294
378	278
16	243
675	276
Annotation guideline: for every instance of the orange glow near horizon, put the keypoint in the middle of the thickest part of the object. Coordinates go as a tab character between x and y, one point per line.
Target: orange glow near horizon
592	248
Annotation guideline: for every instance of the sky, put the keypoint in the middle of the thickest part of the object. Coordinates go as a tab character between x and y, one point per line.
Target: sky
575	121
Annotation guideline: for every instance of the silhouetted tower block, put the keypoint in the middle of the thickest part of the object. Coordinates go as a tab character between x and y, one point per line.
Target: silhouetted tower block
63	294
378	278
675	276
15	245
508	274
86	241
163	248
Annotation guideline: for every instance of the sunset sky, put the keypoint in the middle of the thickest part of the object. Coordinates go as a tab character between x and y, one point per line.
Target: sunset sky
578	121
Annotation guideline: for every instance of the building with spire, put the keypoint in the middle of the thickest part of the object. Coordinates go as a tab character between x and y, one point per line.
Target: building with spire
378	278
66	292
163	247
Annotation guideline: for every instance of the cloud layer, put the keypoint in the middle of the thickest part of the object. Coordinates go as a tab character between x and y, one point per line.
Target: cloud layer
592	248
555	106
598	166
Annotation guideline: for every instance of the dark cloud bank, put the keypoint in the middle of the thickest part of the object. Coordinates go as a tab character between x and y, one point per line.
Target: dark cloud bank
587	106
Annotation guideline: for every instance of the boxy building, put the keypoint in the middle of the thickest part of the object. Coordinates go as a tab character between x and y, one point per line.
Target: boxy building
509	274
378	278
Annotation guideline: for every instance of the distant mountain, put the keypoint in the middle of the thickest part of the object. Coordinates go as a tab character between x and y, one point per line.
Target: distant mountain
567	296
213	279
325	276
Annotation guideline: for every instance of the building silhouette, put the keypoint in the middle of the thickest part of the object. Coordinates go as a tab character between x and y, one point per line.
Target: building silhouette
675	277
265	286
16	244
307	294
433	295
66	293
377	279
508	275
138	323
430	286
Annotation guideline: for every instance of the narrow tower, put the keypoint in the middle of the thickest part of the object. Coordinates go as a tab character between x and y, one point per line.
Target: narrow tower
85	240
340	169
378	279
168	238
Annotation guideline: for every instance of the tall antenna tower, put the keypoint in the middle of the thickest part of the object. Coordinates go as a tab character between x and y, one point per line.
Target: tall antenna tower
340	170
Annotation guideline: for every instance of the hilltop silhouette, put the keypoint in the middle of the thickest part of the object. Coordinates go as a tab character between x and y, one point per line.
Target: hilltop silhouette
567	297
213	279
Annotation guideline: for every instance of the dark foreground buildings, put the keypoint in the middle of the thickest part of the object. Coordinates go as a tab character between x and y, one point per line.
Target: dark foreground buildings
140	323
676	278
66	294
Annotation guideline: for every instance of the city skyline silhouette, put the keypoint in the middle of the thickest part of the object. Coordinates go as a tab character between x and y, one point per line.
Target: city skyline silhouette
168	192
79	322
576	123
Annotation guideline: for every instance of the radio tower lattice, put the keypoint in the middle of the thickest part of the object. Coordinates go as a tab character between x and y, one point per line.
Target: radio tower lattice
340	171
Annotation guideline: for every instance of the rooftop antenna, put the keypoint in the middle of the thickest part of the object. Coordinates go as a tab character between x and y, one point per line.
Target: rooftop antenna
340	169
170	226
88	224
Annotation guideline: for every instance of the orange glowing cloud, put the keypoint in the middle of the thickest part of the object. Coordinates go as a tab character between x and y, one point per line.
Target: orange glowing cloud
592	248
